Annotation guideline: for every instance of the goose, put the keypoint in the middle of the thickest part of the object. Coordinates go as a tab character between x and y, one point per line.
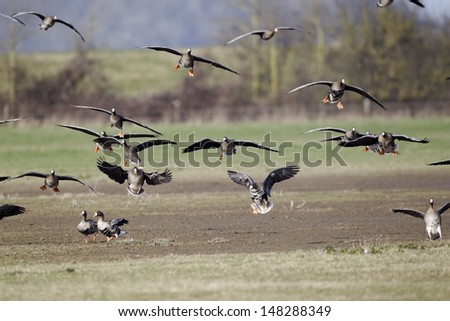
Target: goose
87	227
226	146
7	210
187	59
385	142
265	34
116	120
11	18
51	180
135	177
49	21
260	193
385	3
132	152
110	228
337	89
431	217
107	145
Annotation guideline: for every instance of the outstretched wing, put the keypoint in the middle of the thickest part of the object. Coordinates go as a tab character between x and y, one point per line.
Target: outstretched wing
71	27
252	144
417	2
320	82
81	129
127	136
443	208
241	179
363	93
3	178
114	172
331	129
254	32
279	175
155	178
205	143
41	16
11	18
411	139
9	120
153	142
166	49
408	212
215	64
10	210
292	28
118	221
33	174
93	108
139	124
108	140
74	179
365	140
444	162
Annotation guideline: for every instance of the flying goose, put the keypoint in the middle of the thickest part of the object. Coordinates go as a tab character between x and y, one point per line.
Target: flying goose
260	194
7	210
265	34
48	21
135	177
226	146
385	3
187	59
337	89
132	152
431	217
11	18
51	180
106	145
116	120
385	142
87	227
110	228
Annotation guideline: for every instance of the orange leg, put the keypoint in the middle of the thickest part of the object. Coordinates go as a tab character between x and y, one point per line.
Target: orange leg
326	100
96	149
121	133
176	67
111	125
339	105
56	189
191	72
43	188
366	149
394	153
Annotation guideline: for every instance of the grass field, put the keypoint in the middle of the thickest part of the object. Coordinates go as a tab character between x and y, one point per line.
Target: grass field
195	239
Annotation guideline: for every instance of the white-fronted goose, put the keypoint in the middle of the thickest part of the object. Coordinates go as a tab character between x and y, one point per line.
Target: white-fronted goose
265	34
260	194
132	152
7	210
337	89
106	145
52	180
349	135
385	142
431	217
49	21
226	146
385	3
11	18
110	228
116	120
187	60
135	177
87	227
9	120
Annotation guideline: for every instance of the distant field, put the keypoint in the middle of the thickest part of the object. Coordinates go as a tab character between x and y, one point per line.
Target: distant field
330	236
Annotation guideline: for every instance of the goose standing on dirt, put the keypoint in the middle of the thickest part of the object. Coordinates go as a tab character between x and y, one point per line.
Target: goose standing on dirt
337	89
132	152
260	194
431	217
385	3
265	34
226	146
187	59
52	180
7	210
385	142
116	120
49	21
107	146
110	228
11	18
135	177
87	227
349	135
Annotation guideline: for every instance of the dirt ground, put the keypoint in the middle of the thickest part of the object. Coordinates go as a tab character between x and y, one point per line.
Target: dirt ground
317	218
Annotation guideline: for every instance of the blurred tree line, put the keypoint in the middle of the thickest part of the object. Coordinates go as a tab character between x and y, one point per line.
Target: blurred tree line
394	53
